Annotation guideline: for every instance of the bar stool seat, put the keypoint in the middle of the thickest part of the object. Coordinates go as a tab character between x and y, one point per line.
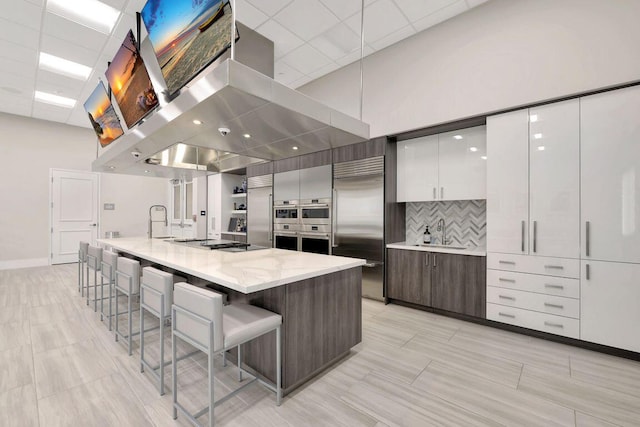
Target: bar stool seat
128	284
108	272
200	319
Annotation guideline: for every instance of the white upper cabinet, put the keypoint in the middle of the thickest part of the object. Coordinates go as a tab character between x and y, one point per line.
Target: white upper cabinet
610	169
417	166
462	164
554	179
508	182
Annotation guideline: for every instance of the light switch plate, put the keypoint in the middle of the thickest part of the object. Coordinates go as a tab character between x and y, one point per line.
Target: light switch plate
109	206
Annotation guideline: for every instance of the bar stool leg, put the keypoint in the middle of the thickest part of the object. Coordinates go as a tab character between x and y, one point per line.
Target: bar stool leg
117	314
130	338
240	363
95	290
87	284
211	386
141	338
174	372
110	302
162	316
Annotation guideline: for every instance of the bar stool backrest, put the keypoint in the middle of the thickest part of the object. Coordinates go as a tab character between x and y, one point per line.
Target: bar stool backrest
94	257
84	248
128	268
110	259
205	305
162	282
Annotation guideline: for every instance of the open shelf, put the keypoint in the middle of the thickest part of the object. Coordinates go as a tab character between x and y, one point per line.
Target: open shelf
244	211
238	195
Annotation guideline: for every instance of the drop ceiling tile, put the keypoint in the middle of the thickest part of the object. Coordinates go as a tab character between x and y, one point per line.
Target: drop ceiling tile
15	104
58	84
22	69
380	19
249	15
440	16
392	38
285	74
300	82
134	6
18	53
50	112
306	59
284	40
343	9
474	3
67	50
270	7
123	26
75	33
337	42
24	13
23	84
116	4
78	117
306	18
323	70
417	9
354	56
19	34
36	2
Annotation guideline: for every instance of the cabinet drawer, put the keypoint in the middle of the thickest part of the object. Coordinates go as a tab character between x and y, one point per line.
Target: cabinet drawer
559	286
561	267
533	320
560	306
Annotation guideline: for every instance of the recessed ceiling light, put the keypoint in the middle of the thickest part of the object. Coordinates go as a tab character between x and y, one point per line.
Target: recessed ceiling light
90	13
63	66
473	149
197	122
483	157
294	148
537	136
226	152
112	167
146	171
247	136
457	136
541	148
533	118
58	101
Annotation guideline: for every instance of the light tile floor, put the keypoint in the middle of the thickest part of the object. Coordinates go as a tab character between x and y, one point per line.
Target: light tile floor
59	366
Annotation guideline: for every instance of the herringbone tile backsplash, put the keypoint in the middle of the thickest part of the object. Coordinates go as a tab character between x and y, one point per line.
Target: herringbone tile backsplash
466	221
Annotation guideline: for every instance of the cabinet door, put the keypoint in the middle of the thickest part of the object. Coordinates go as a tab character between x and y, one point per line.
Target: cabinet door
417	166
405	274
609	301
508	182
554	180
610	169
463	164
459	284
214	206
315	183
286	186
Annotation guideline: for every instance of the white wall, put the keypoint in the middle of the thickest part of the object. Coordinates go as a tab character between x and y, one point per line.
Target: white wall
504	53
29	149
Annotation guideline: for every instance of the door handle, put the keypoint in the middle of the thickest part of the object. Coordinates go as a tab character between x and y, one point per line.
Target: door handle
434	193
587	232
270	225
535	236
587	272
334	220
441	192
434	261
93	225
522	237
426	261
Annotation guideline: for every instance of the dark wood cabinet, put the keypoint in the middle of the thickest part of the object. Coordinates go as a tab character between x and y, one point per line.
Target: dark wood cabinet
362	150
450	282
408	276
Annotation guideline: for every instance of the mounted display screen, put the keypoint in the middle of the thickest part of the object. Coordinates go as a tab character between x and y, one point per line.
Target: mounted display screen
103	116
187	35
130	83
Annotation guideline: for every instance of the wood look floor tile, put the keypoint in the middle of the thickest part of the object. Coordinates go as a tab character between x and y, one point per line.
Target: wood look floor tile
65	367
52	313
584	420
599	402
106	401
12	295
435	331
607	371
19	407
400	364
494	401
16	368
48	336
16	313
14	334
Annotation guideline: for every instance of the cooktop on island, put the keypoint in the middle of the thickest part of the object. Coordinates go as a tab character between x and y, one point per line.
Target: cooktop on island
211	244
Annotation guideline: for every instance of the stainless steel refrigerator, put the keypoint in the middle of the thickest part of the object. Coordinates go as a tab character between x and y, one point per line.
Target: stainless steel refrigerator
358	218
259	210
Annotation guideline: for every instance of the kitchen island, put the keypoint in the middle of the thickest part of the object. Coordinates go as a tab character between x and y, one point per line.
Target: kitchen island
318	296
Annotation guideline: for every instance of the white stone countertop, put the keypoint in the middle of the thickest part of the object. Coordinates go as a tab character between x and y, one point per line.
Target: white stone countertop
474	251
244	272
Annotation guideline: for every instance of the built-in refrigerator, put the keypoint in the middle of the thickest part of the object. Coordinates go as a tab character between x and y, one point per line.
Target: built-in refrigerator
358	219
259	210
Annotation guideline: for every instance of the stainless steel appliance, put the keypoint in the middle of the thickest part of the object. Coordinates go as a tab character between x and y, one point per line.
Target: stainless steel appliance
315	238
260	209
285	236
285	214
315	211
358	219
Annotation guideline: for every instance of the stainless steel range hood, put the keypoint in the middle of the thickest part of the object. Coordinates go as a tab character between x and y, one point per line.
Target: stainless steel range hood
266	120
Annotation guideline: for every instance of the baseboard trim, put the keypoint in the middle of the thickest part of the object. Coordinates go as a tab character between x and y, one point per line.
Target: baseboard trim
24	263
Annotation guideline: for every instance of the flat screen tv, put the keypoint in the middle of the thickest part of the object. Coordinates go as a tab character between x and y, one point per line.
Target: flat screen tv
102	115
187	35
130	83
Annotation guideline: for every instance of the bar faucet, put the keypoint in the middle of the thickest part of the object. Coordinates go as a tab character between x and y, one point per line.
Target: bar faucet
151	221
442	227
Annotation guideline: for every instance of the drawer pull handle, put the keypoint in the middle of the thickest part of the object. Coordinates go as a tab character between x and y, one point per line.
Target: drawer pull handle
559	267
555	325
506	297
549	285
547	304
502	279
506	262
511	316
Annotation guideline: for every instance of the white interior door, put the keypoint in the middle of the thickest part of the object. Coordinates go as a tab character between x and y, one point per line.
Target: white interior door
74	213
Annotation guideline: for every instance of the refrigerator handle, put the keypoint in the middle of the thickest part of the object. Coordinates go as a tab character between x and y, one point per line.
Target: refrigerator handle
269	233
334	219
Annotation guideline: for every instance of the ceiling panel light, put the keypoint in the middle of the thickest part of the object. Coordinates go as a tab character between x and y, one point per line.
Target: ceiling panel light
57	100
533	118
473	149
541	148
483	157
457	136
247	136
294	148
90	13
63	66
537	136
197	122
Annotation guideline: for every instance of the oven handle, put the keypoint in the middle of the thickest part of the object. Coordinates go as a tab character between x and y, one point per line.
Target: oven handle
285	233
319	236
316	206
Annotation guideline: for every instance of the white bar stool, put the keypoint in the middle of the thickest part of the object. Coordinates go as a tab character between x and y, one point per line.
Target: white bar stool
200	319
156	297
82	260
127	283
94	262
107	271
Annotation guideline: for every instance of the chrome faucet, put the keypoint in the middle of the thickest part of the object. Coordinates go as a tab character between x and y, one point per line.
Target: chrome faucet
151	221
442	227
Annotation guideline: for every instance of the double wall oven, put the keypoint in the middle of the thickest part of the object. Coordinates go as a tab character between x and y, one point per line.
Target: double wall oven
303	226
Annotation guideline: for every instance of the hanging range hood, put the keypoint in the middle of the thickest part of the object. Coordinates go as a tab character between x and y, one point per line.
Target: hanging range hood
266	121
